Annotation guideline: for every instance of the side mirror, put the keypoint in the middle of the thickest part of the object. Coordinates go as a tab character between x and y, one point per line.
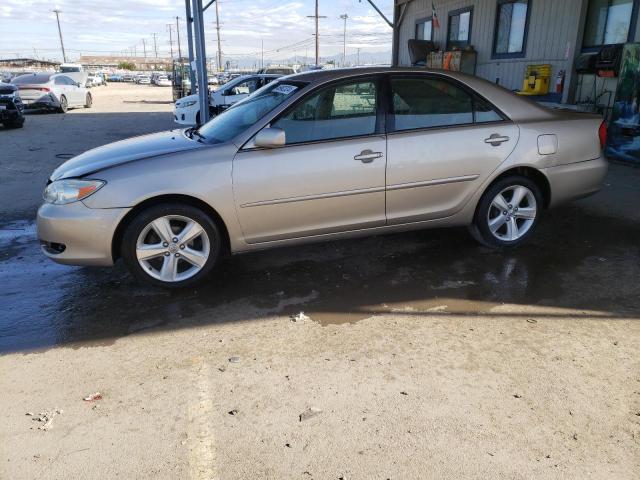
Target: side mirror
270	138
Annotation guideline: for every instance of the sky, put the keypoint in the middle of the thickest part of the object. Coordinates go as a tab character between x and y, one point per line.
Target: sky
28	27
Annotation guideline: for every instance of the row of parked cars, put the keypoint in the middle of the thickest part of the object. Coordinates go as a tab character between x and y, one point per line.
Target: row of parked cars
40	90
228	89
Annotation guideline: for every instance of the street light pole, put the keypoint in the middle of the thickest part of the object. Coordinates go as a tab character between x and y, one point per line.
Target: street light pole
178	33
344	40
219	43
58	12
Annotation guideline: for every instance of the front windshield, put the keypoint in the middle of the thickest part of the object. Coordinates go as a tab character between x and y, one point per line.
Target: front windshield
247	112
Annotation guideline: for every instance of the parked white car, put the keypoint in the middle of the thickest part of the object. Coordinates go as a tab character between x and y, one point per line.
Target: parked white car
187	109
95	79
163	81
50	91
144	80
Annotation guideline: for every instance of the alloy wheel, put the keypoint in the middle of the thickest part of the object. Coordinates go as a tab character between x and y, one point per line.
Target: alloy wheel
512	213
173	248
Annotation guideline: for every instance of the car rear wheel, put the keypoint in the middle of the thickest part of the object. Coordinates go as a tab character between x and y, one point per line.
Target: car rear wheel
64	105
88	101
508	212
171	245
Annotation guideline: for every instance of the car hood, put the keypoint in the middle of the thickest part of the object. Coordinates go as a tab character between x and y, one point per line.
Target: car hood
125	151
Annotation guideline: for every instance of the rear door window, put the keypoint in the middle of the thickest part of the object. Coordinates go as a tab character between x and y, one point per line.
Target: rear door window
430	102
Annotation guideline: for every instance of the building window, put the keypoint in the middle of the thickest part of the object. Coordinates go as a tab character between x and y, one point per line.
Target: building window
608	22
460	28
511	28
424	29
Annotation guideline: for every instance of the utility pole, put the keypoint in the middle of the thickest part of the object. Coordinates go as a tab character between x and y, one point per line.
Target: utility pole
178	33
58	12
170	27
144	47
317	17
135	51
344	40
219	44
262	54
358	57
155	45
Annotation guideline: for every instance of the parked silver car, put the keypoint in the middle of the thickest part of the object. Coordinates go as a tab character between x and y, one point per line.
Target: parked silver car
317	156
52	91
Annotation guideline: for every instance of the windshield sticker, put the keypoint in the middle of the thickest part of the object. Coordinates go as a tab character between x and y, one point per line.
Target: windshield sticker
285	89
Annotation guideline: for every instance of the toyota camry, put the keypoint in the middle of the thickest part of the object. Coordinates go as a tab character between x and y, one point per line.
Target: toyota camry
318	156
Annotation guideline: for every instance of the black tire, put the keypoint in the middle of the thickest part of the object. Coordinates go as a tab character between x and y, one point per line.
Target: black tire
145	217
480	229
64	105
14	123
88	101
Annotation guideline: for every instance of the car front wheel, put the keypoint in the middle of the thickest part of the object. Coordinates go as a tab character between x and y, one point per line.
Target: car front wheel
508	212
171	245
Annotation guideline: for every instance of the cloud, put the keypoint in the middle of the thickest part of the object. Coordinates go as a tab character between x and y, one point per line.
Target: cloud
108	26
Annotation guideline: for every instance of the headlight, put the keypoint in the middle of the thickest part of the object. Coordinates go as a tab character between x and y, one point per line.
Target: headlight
186	104
62	192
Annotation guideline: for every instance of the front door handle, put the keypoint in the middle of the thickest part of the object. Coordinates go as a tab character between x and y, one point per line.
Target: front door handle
496	140
367	156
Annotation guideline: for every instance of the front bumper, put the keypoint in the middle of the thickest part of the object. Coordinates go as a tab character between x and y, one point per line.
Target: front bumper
10	115
576	180
75	234
185	116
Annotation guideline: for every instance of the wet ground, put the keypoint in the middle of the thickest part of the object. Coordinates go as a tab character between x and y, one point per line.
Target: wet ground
579	259
584	255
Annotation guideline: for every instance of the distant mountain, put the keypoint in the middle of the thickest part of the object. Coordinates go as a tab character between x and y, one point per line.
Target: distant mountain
365	58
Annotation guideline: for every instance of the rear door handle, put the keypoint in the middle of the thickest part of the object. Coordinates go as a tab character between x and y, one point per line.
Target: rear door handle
496	140
367	156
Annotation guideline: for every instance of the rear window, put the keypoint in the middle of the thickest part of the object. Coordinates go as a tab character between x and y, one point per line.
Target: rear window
69	69
31	78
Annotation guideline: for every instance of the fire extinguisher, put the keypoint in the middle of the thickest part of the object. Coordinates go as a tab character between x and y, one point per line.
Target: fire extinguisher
560	81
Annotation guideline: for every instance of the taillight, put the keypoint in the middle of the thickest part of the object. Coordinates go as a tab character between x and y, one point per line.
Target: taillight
42	89
602	133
